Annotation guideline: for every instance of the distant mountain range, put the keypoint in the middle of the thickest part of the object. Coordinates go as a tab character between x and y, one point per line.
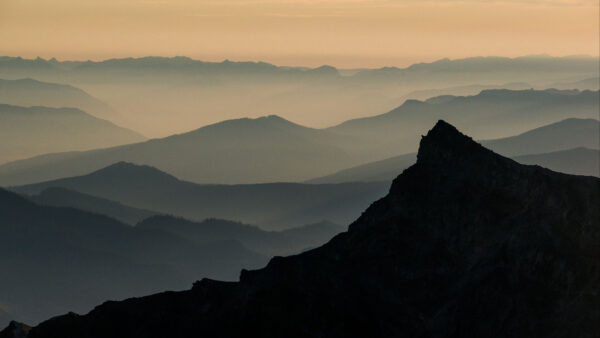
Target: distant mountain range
560	146
271	205
30	92
173	68
272	149
467	243
30	131
163	96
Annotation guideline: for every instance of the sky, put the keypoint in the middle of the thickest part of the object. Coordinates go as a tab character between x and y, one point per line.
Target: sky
342	33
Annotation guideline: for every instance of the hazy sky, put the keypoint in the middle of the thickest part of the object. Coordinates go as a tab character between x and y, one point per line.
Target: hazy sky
344	33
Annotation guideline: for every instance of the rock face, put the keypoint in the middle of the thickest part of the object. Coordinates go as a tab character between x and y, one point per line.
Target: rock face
466	244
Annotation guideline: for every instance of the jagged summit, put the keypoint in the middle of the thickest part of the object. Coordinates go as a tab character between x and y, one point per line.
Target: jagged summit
444	143
466	244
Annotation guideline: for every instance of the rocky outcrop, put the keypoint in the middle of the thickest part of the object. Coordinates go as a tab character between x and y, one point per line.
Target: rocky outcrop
466	244
15	330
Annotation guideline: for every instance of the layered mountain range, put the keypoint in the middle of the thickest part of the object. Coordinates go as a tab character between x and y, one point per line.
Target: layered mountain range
56	259
467	243
272	149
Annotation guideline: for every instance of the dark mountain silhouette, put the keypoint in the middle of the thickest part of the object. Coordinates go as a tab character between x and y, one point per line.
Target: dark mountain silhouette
267	149
466	244
490	114
59	259
59	197
576	161
563	135
30	131
543	146
30	92
271	205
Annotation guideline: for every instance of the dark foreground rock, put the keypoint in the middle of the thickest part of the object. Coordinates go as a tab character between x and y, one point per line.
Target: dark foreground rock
466	244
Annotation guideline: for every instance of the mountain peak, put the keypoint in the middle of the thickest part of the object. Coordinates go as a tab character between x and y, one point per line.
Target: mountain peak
129	170
445	143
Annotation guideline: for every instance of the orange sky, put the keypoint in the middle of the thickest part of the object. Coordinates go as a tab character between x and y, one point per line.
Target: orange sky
343	33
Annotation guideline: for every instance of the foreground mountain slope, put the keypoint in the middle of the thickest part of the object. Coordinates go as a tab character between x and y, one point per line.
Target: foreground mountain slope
275	206
30	131
267	149
466	244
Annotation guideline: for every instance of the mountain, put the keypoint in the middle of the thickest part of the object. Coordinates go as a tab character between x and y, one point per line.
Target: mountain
269	243
275	206
562	135
576	161
30	131
558	146
489	114
472	89
59	259
30	92
466	244
268	149
59	197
